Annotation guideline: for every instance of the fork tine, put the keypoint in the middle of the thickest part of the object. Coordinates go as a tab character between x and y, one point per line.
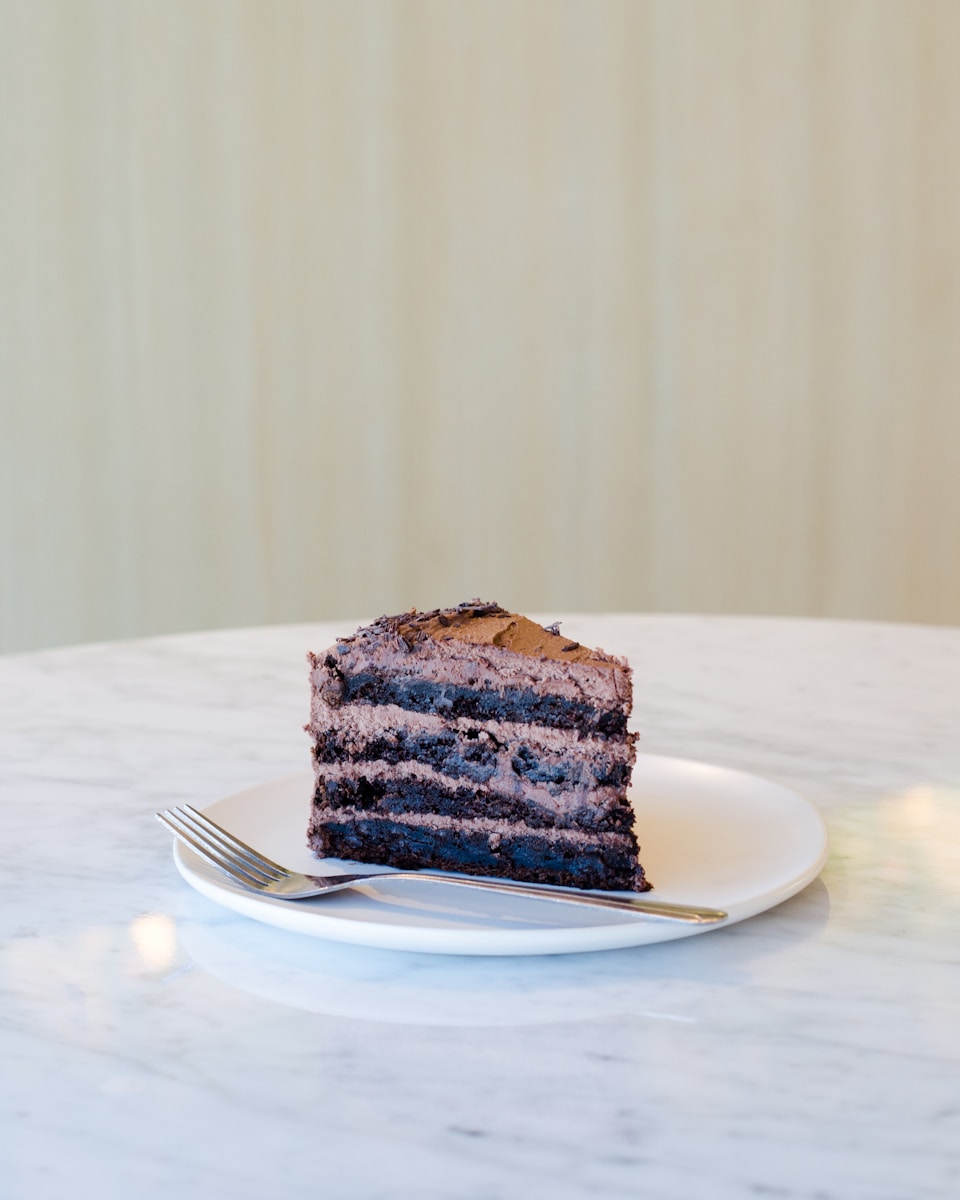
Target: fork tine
212	853
217	839
227	840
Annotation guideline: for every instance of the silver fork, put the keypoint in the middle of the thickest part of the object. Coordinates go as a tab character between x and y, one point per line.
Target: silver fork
257	873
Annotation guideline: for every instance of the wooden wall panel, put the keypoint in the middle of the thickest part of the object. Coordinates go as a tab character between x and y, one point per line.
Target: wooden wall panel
325	308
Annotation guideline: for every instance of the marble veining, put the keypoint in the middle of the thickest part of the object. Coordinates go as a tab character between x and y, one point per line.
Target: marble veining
154	1044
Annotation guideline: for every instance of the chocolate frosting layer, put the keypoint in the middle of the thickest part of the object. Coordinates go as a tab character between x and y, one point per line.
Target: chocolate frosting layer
483	623
414	654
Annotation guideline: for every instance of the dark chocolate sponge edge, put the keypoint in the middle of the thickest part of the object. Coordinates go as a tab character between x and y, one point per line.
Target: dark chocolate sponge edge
527	858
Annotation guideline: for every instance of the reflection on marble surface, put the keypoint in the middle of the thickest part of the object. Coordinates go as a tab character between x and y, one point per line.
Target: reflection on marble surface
154	1044
427	989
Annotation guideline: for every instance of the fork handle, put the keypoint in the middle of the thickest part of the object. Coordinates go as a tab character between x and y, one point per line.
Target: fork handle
656	909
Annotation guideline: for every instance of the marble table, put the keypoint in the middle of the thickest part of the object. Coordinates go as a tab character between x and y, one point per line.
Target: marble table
157	1045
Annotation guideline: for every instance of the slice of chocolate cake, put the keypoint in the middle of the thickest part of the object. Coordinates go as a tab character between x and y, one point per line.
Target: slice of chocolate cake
472	739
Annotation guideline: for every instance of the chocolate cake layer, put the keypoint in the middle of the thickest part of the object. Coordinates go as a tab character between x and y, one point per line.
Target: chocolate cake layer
507	703
506	756
487	667
533	857
478	762
389	792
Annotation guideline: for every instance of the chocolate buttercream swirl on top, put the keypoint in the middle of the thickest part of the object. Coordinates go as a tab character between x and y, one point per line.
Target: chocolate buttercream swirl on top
481	623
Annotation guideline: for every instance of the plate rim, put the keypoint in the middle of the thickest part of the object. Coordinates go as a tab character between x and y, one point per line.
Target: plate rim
630	932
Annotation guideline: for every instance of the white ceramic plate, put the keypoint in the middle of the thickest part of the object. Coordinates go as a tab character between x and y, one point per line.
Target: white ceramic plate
709	836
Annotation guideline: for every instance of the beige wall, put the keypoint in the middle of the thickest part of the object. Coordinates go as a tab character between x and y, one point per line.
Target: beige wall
320	309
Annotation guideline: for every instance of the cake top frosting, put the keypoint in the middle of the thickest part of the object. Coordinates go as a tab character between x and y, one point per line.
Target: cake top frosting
487	624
